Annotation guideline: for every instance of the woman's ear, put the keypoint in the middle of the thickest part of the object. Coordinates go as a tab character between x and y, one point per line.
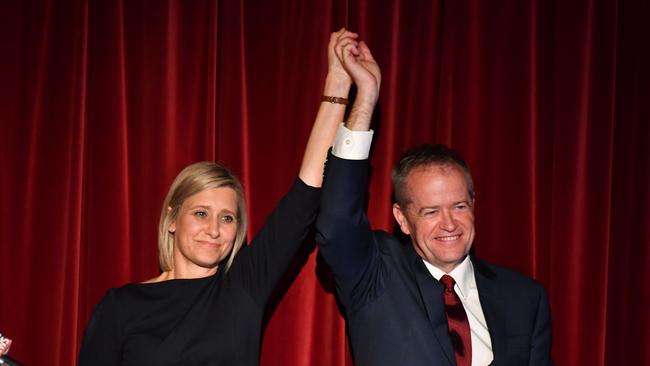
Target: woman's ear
172	225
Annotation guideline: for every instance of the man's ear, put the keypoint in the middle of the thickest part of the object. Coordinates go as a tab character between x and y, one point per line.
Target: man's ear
401	219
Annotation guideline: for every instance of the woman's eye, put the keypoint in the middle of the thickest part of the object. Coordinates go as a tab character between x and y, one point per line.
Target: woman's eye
228	218
200	214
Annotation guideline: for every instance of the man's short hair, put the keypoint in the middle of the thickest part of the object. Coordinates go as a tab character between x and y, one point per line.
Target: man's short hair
423	156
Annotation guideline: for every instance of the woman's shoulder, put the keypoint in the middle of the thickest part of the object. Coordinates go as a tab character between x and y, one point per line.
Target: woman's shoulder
123	295
131	300
161	291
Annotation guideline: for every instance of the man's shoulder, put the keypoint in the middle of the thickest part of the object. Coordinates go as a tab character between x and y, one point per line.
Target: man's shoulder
396	251
502	275
388	242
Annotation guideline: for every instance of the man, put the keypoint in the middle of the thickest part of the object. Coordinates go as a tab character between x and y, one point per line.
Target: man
430	302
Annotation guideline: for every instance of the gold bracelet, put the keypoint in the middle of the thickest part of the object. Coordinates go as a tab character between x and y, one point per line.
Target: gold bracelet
334	100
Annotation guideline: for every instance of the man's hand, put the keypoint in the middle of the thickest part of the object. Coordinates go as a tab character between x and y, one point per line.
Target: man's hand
357	60
359	63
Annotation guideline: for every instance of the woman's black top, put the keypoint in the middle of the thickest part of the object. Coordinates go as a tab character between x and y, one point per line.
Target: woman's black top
215	320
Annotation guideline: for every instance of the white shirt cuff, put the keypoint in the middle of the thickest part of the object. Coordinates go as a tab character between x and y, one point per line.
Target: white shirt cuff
352	145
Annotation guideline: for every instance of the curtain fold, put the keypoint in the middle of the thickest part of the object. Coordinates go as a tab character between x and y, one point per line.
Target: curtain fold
103	102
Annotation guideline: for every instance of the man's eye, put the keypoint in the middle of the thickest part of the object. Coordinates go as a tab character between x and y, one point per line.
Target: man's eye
429	212
461	206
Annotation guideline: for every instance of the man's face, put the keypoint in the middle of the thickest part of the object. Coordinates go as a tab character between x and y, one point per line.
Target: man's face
440	215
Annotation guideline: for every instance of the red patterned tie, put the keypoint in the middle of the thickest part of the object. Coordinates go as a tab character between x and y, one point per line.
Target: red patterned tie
458	325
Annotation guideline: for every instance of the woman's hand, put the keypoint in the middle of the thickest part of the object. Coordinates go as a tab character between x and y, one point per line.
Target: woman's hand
338	81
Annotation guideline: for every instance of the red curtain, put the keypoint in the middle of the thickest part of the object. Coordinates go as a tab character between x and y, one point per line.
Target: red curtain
103	102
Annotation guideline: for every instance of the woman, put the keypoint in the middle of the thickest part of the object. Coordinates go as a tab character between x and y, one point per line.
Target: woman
206	306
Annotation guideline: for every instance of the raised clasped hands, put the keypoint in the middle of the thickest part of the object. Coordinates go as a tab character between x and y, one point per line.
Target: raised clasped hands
348	55
357	60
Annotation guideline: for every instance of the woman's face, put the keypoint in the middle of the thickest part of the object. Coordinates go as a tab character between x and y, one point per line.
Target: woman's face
204	231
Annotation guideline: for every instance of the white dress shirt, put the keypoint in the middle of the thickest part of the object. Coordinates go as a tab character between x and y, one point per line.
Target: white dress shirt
467	291
352	145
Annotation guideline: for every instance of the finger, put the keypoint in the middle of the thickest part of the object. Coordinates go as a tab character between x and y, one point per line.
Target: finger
343	44
347	38
365	51
334	36
347	33
350	53
348	45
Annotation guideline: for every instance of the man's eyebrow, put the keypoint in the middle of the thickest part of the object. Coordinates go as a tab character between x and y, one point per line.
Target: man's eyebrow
424	208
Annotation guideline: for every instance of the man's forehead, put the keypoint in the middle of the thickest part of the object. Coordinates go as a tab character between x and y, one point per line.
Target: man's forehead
426	184
434	169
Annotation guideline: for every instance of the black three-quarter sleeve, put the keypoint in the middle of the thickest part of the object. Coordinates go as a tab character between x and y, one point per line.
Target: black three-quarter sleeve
261	265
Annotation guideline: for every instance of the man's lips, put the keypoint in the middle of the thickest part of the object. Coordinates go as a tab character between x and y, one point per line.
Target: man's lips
448	237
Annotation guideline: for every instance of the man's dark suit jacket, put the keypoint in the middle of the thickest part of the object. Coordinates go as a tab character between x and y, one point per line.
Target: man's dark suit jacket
395	308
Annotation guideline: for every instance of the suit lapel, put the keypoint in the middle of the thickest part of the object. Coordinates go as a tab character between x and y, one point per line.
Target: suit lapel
432	298
493	308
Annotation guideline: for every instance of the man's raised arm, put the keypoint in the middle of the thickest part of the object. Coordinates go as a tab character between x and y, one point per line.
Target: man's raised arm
343	232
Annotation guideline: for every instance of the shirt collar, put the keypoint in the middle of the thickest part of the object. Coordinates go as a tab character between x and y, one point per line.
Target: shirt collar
463	274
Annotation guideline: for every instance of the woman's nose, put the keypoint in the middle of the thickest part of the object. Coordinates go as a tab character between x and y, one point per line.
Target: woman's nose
213	228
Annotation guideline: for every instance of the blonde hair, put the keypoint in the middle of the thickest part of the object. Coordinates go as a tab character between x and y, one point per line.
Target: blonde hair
193	179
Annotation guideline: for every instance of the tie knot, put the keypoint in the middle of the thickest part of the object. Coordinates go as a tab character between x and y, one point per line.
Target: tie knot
448	282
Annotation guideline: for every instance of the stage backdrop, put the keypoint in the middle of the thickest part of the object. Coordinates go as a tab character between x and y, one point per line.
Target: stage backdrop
103	102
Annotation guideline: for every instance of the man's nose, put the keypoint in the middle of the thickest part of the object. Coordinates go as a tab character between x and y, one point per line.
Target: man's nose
447	221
